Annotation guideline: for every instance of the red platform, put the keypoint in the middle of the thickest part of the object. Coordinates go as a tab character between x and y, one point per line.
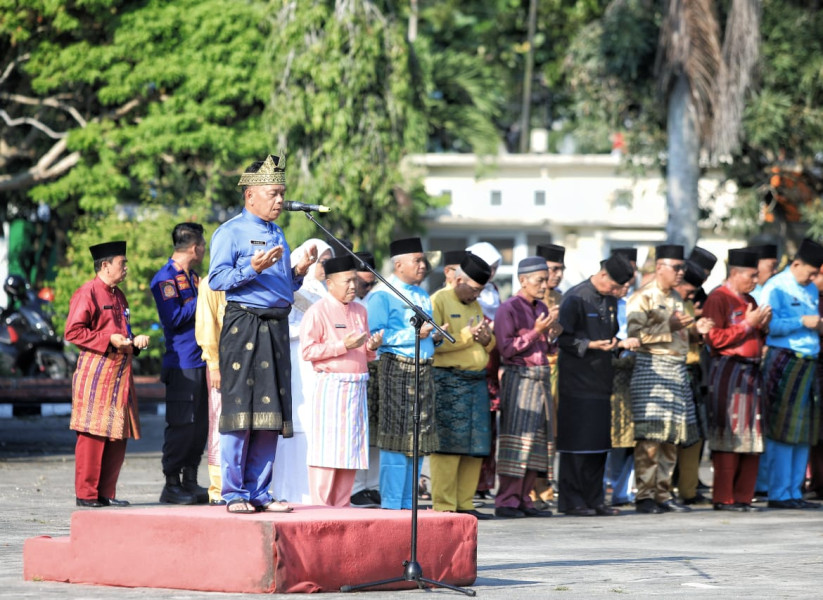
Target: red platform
313	549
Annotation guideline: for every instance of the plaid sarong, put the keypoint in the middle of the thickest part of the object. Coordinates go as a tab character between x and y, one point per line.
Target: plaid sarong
525	439
792	398
622	418
462	412
662	400
735	407
395	431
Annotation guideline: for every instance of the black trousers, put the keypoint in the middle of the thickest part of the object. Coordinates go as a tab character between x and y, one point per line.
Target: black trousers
187	418
580	481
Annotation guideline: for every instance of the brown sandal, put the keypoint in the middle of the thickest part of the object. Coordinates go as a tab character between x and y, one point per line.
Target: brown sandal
275	506
242	506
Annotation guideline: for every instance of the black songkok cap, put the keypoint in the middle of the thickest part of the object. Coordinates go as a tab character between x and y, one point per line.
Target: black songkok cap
743	257
630	253
764	250
339	264
810	252
619	268
694	274
551	252
405	246
477	269
367	258
108	250
703	257
674	251
530	264
453	257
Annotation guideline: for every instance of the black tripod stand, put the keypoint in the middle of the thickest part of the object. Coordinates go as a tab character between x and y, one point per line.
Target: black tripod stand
412	570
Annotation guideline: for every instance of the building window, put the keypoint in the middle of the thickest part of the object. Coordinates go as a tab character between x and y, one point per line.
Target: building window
540	198
497	198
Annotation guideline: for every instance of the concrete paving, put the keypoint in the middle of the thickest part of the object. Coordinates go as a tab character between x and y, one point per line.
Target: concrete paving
703	554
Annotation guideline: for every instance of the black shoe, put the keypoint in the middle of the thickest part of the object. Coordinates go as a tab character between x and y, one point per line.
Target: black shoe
648	507
113	502
533	512
89	503
476	514
482	495
580	511
672	506
734	507
363	499
806	504
606	511
375	496
507	512
783	504
173	492
220	502
697	499
750	508
189	483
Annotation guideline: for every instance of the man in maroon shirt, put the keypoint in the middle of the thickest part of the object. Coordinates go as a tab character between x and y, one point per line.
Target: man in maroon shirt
104	406
523	327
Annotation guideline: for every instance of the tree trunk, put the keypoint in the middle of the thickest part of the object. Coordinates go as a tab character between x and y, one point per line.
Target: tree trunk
682	171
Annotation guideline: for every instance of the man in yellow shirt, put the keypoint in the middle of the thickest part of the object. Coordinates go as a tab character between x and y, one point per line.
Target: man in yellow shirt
461	396
208	322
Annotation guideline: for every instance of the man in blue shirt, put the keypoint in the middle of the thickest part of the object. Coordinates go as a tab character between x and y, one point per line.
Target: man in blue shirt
793	417
187	420
251	262
396	369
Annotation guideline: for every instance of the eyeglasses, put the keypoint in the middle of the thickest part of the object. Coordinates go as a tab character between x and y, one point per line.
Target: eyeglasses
677	267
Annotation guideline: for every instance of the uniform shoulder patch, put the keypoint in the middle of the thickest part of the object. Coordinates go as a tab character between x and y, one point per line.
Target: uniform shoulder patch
168	289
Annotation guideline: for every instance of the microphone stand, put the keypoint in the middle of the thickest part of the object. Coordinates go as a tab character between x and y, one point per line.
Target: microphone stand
412	569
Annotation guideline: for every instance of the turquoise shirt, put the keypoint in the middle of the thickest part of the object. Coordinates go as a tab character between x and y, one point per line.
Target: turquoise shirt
790	302
393	316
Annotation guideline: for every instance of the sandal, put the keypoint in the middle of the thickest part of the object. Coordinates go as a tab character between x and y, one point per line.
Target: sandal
274	506
423	489
242	506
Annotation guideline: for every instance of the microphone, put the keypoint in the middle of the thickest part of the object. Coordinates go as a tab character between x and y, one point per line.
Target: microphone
305	207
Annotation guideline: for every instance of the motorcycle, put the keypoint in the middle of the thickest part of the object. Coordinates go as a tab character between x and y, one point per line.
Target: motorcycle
29	344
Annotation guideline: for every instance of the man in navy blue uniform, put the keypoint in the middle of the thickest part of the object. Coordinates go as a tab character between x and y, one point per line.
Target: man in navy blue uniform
184	372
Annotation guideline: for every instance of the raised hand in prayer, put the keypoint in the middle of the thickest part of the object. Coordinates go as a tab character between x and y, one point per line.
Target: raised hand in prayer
263	260
481	333
704	325
375	341
606	345
631	343
121	343
141	341
679	320
355	339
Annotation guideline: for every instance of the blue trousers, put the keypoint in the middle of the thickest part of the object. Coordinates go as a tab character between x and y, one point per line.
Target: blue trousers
246	459
762	484
787	469
620	475
396	480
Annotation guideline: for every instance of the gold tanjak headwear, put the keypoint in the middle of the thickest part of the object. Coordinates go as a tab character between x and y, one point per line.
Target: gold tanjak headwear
271	172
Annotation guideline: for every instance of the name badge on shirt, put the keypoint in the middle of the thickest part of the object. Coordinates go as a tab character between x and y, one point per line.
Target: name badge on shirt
339	325
737	313
257	242
454	316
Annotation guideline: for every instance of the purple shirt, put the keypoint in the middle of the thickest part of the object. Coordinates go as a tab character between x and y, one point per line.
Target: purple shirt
517	341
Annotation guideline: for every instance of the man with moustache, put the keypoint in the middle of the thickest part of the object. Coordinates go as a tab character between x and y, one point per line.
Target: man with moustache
524	325
396	370
735	407
662	405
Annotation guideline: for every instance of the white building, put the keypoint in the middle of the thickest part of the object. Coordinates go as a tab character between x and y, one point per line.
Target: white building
583	202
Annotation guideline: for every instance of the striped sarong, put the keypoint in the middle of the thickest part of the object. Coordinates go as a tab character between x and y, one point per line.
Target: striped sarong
792	398
396	410
622	418
339	425
103	401
462	412
525	440
735	407
662	400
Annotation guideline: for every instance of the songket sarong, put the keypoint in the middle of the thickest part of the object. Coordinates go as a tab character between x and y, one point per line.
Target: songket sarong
735	407
103	401
396	417
792	398
255	370
662	401
525	439
622	418
339	425
462	412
